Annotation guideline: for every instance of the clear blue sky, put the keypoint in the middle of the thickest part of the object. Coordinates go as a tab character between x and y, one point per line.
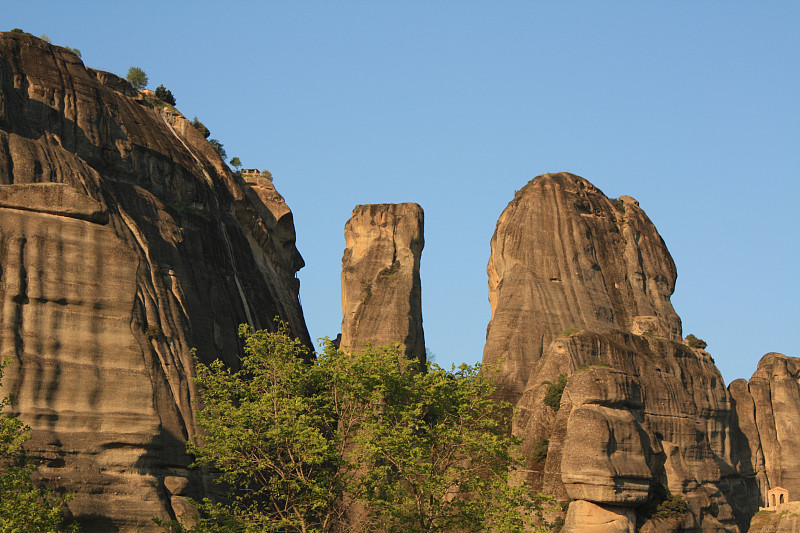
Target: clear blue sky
690	107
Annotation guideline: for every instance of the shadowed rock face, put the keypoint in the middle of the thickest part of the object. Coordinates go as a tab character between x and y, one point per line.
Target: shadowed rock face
381	295
769	413
124	242
563	255
579	285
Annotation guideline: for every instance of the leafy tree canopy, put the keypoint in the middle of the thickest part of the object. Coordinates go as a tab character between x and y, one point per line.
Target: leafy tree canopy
301	442
23	507
137	78
236	163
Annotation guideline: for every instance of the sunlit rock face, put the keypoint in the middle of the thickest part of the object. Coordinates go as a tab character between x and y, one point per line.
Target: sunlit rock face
381	295
580	285
124	242
769	414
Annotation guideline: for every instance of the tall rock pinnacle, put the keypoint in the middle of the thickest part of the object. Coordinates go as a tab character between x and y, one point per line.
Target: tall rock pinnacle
381	295
564	256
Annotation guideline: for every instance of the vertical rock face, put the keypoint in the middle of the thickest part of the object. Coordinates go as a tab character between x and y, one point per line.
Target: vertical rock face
381	296
124	242
769	414
566	256
579	285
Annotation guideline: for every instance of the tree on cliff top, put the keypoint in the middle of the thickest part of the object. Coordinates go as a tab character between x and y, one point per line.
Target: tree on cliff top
299	441
137	78
23	507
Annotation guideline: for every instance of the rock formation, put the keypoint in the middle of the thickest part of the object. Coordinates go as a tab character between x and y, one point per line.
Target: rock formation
381	295
125	241
768	408
566	256
579	286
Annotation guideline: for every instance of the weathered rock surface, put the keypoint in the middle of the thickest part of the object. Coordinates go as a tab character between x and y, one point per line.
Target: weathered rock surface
381	295
124	242
587	517
566	256
580	285
784	519
769	413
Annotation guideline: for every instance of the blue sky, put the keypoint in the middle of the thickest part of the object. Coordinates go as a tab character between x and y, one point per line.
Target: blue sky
689	107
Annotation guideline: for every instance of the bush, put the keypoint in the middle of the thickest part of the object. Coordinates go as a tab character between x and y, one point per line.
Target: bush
673	507
696	343
45	38
201	127
555	390
152	332
569	331
539	450
137	78
165	95
17	30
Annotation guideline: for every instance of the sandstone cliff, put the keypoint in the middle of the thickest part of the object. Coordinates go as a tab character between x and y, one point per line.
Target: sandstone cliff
381	295
563	256
124	242
768	408
579	286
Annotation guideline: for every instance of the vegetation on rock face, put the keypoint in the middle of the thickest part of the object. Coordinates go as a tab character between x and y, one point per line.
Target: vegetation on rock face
218	147
539	450
201	127
297	441
552	397
694	342
672	507
236	162
137	78
165	95
569	331
23	507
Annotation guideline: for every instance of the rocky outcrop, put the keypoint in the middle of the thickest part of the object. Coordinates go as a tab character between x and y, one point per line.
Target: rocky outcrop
381	295
579	288
124	242
566	256
783	519
768	408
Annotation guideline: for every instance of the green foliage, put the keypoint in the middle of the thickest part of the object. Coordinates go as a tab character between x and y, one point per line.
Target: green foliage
152	332
218	147
74	51
391	270
266	174
569	331
236	163
165	95
539	450
674	506
17	30
552	397
23	507
137	78
201	127
696	343
298	441
45	38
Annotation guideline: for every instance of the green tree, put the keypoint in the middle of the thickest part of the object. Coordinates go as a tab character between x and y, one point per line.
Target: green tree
45	38
299	440
218	147
23	507
165	95
201	127
236	163
137	78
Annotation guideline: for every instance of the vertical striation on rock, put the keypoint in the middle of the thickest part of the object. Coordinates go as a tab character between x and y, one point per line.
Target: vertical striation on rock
124	242
580	286
563	255
769	420
381	295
